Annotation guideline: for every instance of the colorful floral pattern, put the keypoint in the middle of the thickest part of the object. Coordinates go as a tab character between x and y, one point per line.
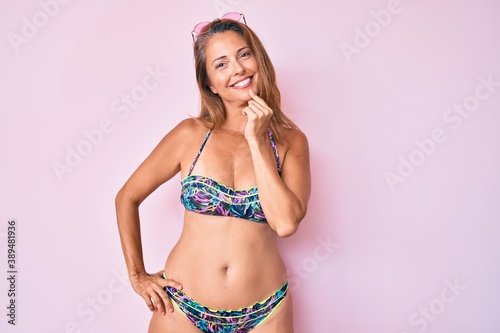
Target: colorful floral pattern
226	321
205	195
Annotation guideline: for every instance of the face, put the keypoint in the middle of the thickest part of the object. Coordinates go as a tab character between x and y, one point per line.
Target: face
231	67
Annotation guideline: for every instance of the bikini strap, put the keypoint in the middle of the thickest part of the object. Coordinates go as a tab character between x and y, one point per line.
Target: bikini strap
199	152
273	144
275	149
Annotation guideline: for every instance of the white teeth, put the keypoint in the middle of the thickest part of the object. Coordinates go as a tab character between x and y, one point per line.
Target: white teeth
242	83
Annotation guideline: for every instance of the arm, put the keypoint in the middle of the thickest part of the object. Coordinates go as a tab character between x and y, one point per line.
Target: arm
161	165
284	199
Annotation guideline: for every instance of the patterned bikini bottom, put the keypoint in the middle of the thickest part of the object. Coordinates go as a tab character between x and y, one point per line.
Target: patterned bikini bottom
226	321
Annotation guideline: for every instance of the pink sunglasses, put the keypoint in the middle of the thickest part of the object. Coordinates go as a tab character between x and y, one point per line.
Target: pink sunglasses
232	16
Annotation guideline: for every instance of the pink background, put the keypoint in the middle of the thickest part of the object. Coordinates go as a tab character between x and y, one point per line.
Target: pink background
368	81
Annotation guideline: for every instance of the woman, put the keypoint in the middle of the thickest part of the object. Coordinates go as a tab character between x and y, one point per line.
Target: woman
225	273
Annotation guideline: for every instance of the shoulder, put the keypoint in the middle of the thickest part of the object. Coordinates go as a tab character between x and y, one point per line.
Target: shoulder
183	136
188	126
187	131
294	147
295	139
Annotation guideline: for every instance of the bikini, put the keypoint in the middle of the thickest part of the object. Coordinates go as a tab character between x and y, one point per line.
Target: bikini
204	195
226	321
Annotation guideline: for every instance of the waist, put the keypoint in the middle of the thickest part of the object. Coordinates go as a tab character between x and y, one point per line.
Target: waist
226	266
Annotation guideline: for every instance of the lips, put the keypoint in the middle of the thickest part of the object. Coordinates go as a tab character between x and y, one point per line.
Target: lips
243	83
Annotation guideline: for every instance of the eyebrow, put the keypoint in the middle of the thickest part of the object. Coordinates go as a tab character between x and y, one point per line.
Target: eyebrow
237	51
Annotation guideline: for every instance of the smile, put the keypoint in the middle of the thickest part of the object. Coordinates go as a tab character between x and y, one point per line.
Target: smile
243	83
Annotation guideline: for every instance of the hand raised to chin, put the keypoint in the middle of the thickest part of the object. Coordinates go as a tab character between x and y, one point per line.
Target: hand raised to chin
258	115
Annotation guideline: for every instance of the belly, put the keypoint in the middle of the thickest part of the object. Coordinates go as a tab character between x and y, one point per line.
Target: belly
226	263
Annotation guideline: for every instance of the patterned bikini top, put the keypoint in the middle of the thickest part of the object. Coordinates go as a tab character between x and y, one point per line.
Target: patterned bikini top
205	195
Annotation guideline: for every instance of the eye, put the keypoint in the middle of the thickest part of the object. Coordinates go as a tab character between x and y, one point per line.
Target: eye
219	65
245	54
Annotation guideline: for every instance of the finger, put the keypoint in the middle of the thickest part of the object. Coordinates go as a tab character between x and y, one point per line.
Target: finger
159	296
258	99
255	110
262	107
156	299
261	115
166	303
163	281
169	307
258	109
149	303
173	283
158	303
250	113
253	94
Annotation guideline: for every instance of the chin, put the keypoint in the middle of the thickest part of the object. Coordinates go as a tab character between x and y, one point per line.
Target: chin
246	98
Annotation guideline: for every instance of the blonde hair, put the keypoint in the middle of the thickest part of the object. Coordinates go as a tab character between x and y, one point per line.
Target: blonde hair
212	112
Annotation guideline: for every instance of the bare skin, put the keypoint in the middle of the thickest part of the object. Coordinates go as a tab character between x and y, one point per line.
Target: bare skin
222	262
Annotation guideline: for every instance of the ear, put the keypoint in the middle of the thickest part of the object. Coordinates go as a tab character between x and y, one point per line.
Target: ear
213	89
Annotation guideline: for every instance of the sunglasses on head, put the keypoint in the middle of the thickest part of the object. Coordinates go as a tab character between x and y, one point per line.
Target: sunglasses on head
232	16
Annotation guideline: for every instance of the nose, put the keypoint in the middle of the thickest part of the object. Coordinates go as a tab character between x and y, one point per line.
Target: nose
238	69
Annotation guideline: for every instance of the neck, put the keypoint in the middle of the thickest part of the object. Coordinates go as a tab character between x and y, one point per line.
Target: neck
235	119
